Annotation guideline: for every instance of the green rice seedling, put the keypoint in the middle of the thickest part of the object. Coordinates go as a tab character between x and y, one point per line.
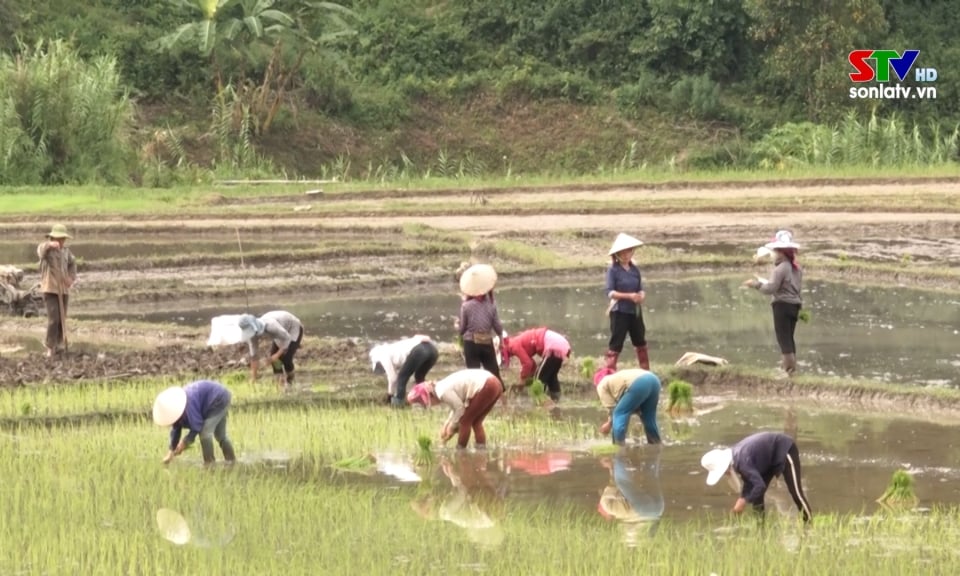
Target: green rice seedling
424	456
899	494
681	397
357	464
604	449
804	316
538	392
587	367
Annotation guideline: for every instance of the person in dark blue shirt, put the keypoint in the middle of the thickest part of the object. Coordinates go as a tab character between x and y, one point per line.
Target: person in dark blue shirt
201	407
624	288
757	460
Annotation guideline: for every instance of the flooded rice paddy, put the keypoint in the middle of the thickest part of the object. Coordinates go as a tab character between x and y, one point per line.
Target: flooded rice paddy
893	334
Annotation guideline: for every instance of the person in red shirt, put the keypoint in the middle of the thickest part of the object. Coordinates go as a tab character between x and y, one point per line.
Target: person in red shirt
551	347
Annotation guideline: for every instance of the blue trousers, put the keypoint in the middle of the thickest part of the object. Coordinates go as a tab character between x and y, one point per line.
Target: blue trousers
640	398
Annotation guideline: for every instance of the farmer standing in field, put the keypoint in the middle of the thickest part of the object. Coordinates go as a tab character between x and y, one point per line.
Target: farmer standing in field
784	289
400	360
286	333
757	460
552	348
201	407
624	288
627	392
470	394
58	273
479	321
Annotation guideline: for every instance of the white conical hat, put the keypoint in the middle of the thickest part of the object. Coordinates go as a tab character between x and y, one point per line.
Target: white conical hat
173	526
716	462
782	239
478	279
624	242
169	406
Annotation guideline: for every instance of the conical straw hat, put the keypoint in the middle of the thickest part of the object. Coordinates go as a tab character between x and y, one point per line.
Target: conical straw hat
478	280
624	242
169	406
782	239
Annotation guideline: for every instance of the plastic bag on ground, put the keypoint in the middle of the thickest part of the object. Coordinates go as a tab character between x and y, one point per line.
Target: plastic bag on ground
225	331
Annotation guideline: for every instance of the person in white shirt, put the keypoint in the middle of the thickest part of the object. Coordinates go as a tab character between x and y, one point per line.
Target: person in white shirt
400	360
470	394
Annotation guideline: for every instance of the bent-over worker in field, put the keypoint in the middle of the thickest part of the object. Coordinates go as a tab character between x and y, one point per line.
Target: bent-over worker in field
400	360
757	460
58	273
201	407
470	394
552	348
286	333
627	392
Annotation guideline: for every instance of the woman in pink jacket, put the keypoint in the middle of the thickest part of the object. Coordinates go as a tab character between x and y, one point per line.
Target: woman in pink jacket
551	347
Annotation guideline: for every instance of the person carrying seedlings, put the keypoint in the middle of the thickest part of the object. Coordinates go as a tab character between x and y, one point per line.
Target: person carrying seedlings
479	321
552	348
58	273
286	333
757	460
784	291
625	290
201	407
627	392
470	394
400	360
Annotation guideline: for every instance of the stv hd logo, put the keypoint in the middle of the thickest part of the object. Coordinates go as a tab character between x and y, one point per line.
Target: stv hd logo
883	62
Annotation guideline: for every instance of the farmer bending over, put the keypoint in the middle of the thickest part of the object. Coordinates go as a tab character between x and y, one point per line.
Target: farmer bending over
552	348
286	332
757	460
400	360
470	394
201	407
627	392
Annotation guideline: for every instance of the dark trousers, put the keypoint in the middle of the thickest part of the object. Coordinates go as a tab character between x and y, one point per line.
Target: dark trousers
791	477
481	356
54	327
418	363
476	411
785	318
548	374
622	324
286	360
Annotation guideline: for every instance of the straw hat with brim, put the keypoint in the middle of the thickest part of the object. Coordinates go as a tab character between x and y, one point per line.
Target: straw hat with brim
624	242
478	280
782	239
716	462
173	526
169	406
58	231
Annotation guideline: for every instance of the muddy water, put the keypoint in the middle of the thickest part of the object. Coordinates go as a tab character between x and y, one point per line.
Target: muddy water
846	463
893	334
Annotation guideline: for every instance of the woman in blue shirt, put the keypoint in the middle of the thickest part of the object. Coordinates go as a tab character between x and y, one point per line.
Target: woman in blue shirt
625	290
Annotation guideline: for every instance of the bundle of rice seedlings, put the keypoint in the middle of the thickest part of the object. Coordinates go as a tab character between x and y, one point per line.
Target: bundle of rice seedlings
804	316
538	392
899	494
424	456
357	464
681	397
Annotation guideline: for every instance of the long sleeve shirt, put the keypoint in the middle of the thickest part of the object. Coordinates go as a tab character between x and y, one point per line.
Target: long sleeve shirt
758	459
392	356
613	386
623	280
58	268
479	316
457	389
280	326
524	346
204	398
784	285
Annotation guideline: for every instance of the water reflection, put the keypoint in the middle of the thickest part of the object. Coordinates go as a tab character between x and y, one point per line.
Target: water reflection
474	501
540	464
633	496
174	528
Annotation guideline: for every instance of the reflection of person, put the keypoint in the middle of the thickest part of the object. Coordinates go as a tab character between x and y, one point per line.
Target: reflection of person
58	273
400	360
628	392
470	394
784	289
479	321
201	407
635	495
286	333
625	289
475	503
550	346
757	460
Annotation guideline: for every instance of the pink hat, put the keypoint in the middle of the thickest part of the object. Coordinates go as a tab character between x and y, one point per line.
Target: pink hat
419	394
600	374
